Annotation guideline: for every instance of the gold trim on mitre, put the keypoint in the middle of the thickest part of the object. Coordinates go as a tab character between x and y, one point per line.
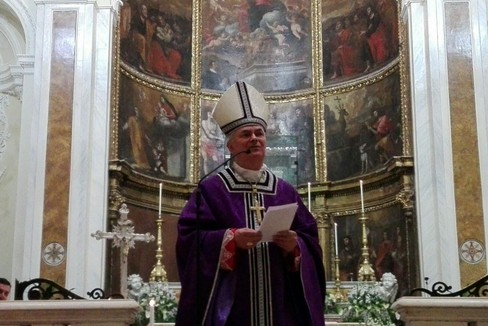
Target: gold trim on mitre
240	105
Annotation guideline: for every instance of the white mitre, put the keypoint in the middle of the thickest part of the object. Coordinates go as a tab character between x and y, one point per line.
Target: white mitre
240	105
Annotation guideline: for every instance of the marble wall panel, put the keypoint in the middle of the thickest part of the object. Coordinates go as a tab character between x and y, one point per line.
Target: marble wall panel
58	153
466	164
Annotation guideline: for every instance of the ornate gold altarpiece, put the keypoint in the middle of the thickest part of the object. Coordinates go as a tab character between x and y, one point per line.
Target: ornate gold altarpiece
334	195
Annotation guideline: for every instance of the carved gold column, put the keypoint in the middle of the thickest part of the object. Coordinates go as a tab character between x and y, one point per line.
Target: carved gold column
406	197
323	226
115	199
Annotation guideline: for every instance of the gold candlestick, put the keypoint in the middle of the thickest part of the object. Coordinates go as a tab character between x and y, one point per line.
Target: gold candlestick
366	272
338	293
158	274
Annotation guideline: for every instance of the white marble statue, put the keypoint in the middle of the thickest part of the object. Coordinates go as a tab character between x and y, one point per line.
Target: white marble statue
388	287
136	287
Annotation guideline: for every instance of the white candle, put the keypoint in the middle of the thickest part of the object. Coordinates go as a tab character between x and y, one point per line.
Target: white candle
160	197
336	240
151	312
362	196
309	197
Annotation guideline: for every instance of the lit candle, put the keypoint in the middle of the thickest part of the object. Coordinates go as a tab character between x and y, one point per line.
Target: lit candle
160	197
362	196
336	240
151	311
309	198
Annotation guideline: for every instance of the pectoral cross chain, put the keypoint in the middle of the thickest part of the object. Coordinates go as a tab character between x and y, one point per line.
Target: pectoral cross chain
258	209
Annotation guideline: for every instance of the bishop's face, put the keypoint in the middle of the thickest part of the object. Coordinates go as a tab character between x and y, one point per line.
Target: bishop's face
250	137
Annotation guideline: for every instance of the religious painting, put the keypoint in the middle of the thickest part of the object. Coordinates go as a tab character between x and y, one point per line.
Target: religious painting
359	37
290	144
155	38
154	130
363	128
388	234
212	141
265	43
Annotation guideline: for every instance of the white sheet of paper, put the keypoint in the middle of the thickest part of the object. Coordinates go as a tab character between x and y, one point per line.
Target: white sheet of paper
277	218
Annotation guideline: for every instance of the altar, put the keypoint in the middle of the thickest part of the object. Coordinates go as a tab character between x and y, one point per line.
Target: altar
68	312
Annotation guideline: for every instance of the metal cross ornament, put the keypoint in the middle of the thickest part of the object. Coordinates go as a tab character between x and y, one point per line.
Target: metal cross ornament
257	208
123	237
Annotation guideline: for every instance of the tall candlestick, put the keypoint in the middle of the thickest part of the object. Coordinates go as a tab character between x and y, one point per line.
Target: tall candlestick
160	197
362	196
309	197
336	240
151	312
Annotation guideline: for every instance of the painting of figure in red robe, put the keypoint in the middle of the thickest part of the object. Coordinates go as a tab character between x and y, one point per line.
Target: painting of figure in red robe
361	37
155	38
363	128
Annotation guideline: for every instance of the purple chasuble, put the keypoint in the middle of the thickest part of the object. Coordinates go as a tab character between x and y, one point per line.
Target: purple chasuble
262	289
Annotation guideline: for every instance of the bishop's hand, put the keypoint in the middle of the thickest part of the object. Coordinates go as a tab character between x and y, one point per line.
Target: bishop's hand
247	238
286	240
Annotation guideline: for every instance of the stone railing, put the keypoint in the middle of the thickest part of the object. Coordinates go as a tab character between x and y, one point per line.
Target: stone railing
68	312
442	311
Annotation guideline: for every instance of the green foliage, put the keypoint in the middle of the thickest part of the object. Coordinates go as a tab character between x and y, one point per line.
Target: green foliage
332	307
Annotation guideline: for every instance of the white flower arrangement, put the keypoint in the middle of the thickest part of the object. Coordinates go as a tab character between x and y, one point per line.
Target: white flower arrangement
165	303
366	304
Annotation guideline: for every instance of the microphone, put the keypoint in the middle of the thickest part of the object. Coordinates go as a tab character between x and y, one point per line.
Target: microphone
198	204
247	151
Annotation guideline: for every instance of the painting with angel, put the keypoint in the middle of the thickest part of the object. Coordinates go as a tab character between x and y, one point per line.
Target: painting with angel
240	38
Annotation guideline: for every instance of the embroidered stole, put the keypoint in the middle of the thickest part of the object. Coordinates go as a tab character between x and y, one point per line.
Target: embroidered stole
259	264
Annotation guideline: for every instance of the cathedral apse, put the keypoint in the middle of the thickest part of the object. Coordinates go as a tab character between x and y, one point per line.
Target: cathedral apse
330	72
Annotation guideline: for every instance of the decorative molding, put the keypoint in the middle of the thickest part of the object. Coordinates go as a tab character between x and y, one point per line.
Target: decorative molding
26	20
12	77
116	4
472	252
441	289
405	4
54	254
11	80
